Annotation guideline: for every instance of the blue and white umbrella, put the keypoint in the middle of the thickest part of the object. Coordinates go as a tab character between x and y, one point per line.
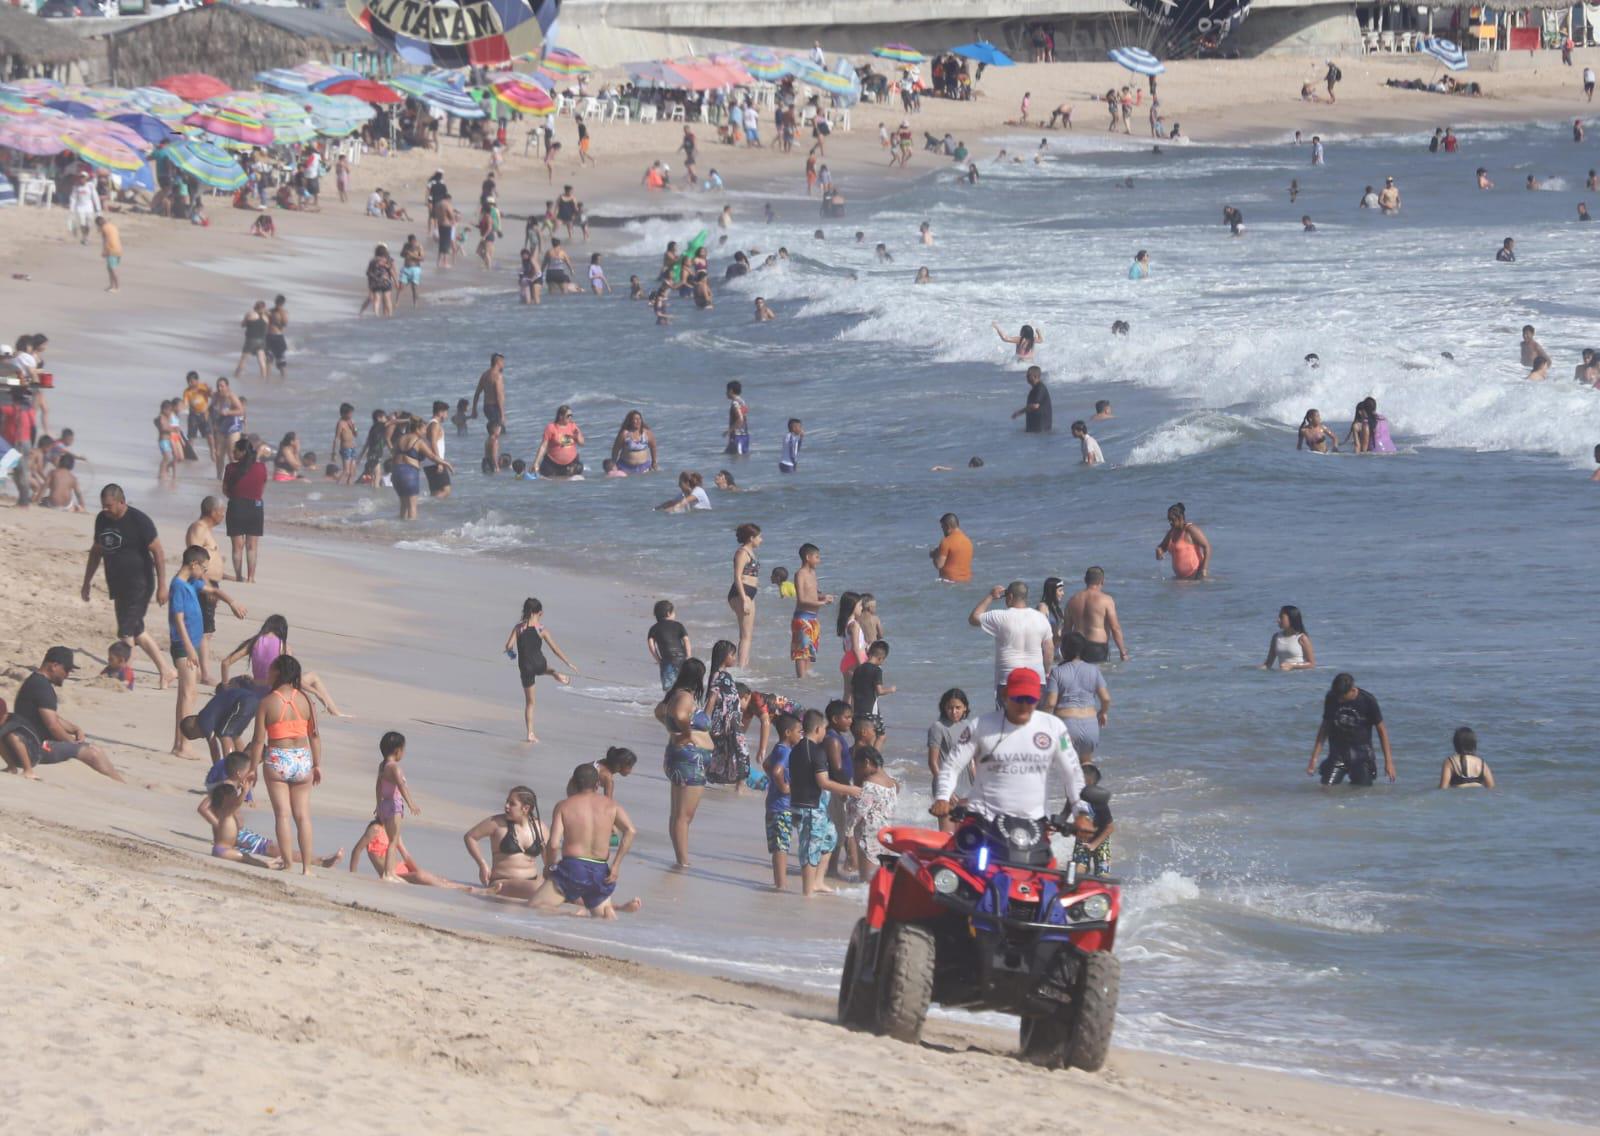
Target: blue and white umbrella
983	52
1446	52
438	93
1137	60
283	79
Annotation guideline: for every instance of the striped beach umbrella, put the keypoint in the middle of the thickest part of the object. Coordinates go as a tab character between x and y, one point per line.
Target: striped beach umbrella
106	128
899	53
32	136
232	125
1446	52
18	107
338	106
563	62
208	164
146	126
761	63
283	79
165	105
820	77
104	151
1137	60
37	88
515	92
438	93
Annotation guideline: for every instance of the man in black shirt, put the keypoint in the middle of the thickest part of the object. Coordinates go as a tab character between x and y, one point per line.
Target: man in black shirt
809	783
1038	418
1349	715
36	734
125	540
866	681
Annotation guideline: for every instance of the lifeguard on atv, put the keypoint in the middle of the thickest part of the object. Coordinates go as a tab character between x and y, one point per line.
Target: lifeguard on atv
983	918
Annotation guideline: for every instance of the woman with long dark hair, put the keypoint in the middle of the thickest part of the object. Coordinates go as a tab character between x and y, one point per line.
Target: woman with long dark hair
945	735
634	448
1054	608
288	748
688	751
516	839
1349	715
265	646
1190	550
1290	647
851	638
746	586
1024	341
244	482
411	449
730	761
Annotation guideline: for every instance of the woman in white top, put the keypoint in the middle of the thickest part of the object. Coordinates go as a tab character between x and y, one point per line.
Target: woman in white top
1291	646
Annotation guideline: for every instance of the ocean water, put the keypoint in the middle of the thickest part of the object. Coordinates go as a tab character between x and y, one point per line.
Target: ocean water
1440	944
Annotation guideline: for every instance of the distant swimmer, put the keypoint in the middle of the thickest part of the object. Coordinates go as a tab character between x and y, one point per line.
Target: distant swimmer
1315	436
926	233
1036	410
764	313
1024	341
1102	410
1313	360
1464	769
1188	546
1577	130
1140	268
1369	198
1389	198
1369	430
1483	179
1507	253
1317	152
1596	476
1176	134
1583	212
972	173
1120	327
952	556
1534	183
1306	225
883	254
1349	716
1534	357
923	276
1588	371
1234	219
1294	190
1089	447
1592	183
1290	647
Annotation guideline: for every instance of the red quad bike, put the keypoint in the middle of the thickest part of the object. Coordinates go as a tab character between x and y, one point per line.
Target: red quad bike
983	919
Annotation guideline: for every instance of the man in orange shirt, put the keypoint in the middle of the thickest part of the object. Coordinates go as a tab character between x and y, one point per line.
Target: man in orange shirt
953	557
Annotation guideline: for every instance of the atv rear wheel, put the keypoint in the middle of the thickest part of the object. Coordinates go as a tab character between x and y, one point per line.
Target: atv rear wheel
905	981
1098	986
856	997
1079	1033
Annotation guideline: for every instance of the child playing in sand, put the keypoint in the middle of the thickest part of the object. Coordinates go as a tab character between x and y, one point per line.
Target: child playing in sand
220	808
1092	854
394	797
1464	769
375	843
119	663
780	819
872	810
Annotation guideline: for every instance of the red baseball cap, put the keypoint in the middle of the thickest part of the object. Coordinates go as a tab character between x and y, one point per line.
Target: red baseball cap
1023	683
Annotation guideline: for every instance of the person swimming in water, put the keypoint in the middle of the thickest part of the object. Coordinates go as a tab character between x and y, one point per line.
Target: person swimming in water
1315	436
1190	550
1370	430
1024	341
1464	769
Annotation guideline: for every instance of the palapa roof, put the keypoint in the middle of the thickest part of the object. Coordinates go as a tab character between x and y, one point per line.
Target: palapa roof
33	40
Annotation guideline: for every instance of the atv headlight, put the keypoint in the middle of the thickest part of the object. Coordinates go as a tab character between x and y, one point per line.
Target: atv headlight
945	882
1095	908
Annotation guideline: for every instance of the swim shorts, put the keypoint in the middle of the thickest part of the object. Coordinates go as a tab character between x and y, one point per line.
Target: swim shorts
291	763
669	672
1095	863
805	632
780	830
1095	652
411	274
738	444
252	843
112	262
817	834
438	478
348	455
582	881
130	613
686	765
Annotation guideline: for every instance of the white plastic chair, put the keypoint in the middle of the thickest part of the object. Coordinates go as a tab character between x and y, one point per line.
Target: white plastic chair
677	112
36	191
590	107
647	113
1386	41
619	110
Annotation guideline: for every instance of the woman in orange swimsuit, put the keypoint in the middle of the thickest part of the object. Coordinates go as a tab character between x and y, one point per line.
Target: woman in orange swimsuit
1191	551
286	737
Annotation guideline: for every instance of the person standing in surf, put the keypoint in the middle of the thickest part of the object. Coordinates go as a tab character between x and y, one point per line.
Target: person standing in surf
1349	716
1188	546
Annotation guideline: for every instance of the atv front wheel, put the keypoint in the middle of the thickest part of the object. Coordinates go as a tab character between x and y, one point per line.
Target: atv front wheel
1098	985
856	997
905	981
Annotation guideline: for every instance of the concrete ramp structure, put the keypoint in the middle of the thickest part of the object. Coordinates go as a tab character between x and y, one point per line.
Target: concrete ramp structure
612	31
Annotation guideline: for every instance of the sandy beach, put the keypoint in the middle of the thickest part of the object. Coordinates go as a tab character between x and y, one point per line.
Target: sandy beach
140	961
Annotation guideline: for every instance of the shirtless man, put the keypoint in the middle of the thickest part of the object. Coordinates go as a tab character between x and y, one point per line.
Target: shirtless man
1389	198
61	489
202	531
1587	371
492	392
1092	613
1534	357
344	443
805	629
581	828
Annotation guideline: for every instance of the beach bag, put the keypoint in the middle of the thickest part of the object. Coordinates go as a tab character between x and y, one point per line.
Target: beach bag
1335	74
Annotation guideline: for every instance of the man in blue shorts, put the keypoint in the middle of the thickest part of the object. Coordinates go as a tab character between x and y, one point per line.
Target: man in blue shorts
581	828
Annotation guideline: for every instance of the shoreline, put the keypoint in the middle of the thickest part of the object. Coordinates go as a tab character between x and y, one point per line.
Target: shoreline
313	281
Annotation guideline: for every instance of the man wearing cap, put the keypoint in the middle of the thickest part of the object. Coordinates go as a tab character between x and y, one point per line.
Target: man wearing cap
1014	748
1389	198
125	541
1022	634
36	734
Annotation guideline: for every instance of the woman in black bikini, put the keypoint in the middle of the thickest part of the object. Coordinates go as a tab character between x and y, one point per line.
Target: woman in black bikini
746	585
526	644
255	326
516	838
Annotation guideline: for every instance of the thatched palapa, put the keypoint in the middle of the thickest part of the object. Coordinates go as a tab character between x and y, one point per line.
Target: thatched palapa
235	42
29	44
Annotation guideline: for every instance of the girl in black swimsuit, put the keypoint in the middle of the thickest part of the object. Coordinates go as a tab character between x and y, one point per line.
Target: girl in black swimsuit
1464	767
745	587
526	645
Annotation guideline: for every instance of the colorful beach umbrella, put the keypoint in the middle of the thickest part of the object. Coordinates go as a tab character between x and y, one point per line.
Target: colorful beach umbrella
165	105
106	128
899	52
1137	60
146	126
564	63
104	152
820	77
193	86
71	108
367	90
1446	52
232	125
31	136
515	92
983	52
486	33
283	79
761	63
38	88
208	164
18	107
438	93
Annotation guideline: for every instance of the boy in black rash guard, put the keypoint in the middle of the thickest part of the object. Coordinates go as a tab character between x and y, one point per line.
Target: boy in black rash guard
1349	715
668	641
